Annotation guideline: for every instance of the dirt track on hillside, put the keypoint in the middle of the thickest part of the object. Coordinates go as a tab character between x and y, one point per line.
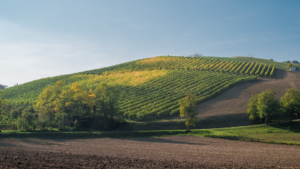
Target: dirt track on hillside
170	152
230	107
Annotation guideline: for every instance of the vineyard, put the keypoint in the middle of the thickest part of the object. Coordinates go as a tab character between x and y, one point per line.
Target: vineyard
159	97
187	63
152	87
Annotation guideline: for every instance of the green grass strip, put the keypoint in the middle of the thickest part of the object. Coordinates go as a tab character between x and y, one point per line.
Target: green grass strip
285	133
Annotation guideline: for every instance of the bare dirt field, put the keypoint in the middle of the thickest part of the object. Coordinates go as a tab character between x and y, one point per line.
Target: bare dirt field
230	107
160	152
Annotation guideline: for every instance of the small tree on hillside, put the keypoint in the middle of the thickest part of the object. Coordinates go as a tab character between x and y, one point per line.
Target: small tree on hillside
291	102
197	55
187	108
252	108
289	65
267	105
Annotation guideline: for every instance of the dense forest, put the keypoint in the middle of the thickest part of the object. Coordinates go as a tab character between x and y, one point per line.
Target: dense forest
139	90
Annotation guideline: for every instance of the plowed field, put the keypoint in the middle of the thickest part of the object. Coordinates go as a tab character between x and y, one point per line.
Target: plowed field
230	107
162	152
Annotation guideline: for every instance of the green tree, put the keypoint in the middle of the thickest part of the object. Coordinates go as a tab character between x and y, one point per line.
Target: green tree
187	108
106	101
3	106
289	65
49	99
263	105
252	107
291	102
29	117
267	105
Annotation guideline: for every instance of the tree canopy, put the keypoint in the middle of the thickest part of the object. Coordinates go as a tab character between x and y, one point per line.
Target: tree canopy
71	105
263	105
291	102
187	109
3	106
252	108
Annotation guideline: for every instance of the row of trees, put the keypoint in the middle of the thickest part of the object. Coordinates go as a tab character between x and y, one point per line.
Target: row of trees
68	106
265	106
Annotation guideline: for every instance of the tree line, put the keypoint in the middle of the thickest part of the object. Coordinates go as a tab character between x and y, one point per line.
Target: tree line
62	106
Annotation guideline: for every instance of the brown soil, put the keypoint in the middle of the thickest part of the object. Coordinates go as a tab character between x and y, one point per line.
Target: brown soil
230	107
165	152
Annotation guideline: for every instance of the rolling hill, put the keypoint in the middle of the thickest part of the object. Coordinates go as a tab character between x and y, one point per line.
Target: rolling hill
151	88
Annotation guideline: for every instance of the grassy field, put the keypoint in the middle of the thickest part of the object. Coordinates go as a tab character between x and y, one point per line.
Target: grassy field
285	133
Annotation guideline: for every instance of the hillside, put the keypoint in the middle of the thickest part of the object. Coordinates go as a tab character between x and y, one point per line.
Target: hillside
152	87
230	107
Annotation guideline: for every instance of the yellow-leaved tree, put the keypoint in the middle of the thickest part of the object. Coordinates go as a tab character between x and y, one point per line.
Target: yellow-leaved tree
50	103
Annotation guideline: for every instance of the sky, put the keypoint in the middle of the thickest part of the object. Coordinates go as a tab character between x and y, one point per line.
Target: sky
41	39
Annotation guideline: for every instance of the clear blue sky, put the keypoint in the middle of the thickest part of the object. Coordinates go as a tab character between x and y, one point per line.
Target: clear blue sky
48	38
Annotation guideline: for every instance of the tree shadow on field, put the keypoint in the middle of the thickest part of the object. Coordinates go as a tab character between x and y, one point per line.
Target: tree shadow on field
289	126
218	121
221	121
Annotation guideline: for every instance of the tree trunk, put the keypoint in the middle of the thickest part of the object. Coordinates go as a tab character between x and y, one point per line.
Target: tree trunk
266	119
188	127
